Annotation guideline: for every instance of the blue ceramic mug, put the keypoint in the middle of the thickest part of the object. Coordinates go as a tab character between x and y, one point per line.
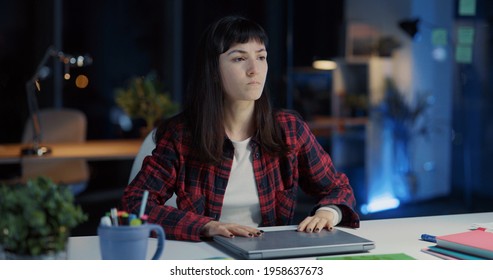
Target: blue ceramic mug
129	242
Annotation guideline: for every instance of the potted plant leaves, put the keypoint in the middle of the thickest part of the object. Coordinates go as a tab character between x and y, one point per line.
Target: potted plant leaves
37	217
143	98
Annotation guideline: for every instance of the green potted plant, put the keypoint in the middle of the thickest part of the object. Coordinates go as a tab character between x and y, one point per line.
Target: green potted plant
36	219
144	99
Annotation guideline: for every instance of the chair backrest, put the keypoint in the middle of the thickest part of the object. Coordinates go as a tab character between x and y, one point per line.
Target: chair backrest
146	149
58	125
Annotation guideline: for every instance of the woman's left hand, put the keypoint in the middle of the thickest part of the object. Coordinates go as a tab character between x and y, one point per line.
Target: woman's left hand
317	222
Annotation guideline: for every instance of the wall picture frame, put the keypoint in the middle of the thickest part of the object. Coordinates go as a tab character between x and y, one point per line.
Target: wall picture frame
361	39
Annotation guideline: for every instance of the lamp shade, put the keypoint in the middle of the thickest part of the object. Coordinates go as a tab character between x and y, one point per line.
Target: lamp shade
410	26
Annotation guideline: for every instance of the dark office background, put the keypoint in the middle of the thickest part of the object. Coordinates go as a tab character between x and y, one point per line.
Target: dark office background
134	37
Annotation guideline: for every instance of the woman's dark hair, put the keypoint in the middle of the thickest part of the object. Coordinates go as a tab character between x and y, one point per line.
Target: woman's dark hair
203	108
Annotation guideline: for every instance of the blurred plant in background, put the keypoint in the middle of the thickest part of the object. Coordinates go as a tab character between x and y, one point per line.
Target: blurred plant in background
406	121
143	98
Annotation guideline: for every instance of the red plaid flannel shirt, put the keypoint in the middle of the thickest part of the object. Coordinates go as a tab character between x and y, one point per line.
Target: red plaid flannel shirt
200	188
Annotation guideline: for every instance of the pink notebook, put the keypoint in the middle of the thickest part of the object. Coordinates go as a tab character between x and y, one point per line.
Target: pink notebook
474	242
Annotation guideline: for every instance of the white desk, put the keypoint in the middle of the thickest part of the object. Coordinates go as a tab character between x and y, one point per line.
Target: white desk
390	236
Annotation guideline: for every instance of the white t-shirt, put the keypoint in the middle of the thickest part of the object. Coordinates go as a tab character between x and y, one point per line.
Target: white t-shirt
241	203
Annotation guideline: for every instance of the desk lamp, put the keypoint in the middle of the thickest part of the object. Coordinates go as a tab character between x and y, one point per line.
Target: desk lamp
33	85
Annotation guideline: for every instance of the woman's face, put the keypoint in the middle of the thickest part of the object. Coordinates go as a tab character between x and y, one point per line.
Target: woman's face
243	71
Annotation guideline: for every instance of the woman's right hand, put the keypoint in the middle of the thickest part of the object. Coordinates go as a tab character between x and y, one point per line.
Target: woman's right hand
230	230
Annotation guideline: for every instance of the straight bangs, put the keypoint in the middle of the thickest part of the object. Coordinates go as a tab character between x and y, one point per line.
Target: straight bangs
240	31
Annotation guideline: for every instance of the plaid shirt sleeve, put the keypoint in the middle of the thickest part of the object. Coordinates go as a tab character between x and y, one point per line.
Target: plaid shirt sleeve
161	175
316	172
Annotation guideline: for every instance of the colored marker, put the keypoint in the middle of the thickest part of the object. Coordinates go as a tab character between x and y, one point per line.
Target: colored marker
143	203
123	217
105	221
131	217
135	222
429	238
144	218
114	216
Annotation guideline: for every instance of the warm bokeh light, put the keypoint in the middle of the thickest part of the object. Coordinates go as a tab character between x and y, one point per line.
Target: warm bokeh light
81	81
324	65
66	76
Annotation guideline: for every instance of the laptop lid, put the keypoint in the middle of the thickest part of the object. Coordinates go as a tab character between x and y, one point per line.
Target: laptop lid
286	242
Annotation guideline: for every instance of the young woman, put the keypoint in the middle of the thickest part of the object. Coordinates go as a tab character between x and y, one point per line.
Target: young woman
233	162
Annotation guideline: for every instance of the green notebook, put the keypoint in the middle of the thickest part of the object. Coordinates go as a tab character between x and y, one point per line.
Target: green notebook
399	256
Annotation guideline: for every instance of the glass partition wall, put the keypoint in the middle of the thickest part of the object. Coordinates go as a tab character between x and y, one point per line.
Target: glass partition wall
406	112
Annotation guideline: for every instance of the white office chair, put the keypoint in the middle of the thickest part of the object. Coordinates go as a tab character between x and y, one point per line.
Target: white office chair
59	125
146	149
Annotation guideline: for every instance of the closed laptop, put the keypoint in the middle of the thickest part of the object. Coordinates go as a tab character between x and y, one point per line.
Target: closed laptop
286	242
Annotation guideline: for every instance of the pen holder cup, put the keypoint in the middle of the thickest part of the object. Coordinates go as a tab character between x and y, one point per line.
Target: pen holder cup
129	242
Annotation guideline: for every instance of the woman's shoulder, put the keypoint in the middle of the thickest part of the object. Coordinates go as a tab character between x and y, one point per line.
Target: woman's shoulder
176	120
288	117
292	126
174	125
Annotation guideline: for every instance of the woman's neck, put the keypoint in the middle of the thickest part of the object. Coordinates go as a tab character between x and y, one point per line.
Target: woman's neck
238	121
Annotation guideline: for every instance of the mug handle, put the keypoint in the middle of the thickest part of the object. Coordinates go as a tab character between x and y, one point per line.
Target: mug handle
160	240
